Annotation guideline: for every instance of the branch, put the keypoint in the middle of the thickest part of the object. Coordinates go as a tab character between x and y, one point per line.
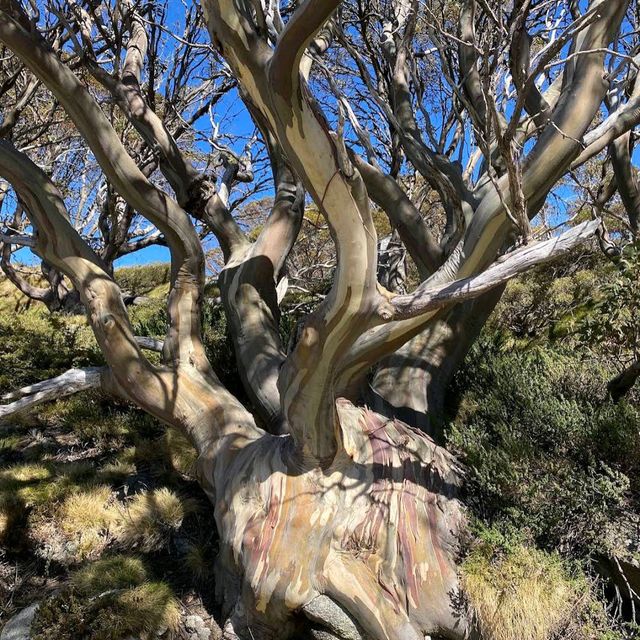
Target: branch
557	147
626	180
468	57
151	344
622	120
69	383
427	298
60	245
128	94
298	33
197	404
248	290
277	92
408	315
184	343
39	294
403	215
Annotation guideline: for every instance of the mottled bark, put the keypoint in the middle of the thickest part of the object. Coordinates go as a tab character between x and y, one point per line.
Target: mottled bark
248	289
412	385
393	577
340	523
489	228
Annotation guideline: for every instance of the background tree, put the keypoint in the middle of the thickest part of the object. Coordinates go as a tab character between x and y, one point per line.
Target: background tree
369	504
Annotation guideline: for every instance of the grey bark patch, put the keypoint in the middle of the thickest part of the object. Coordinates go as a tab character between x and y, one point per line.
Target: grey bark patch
19	627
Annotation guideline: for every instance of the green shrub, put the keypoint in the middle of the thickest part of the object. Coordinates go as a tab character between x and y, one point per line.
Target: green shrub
150	318
544	448
36	345
142	279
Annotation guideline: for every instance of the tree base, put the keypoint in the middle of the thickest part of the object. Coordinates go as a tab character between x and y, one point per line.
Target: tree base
362	549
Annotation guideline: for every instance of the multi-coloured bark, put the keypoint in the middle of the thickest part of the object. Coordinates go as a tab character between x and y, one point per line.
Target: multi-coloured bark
374	533
334	521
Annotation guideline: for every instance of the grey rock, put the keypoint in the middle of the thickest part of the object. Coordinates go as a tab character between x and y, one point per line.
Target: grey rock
19	627
197	628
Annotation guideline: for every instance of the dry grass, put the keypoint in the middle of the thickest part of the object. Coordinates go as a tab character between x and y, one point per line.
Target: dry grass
525	595
147	609
145	612
11	511
23	473
181	452
33	484
199	562
148	519
90	518
116	472
117	572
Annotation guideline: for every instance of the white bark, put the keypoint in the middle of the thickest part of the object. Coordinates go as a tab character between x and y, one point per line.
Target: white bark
67	384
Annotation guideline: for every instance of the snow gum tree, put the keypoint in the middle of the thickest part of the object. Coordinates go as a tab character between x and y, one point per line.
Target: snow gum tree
336	504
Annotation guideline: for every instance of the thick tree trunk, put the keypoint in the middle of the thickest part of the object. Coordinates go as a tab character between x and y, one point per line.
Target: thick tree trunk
362	549
411	385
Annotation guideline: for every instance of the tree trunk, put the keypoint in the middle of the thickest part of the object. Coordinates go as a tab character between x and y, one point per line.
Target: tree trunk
364	548
411	385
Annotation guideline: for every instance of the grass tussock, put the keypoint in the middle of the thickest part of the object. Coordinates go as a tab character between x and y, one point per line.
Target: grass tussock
143	611
117	572
146	609
149	519
199	561
524	594
11	512
88	518
33	484
92	519
181	452
116	472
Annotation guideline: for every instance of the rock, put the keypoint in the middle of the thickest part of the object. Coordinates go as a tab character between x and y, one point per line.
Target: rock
19	627
197	628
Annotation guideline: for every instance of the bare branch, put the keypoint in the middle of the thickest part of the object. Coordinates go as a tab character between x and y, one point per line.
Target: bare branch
426	298
183	339
62	386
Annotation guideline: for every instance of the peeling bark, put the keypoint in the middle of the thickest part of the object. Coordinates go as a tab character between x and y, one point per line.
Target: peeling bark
334	521
391	577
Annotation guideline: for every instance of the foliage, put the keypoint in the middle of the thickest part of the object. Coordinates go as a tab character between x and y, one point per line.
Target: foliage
37	345
544	447
548	302
143	279
613	324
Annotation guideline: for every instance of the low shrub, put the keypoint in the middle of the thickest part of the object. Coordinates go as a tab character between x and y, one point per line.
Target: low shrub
545	448
142	279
